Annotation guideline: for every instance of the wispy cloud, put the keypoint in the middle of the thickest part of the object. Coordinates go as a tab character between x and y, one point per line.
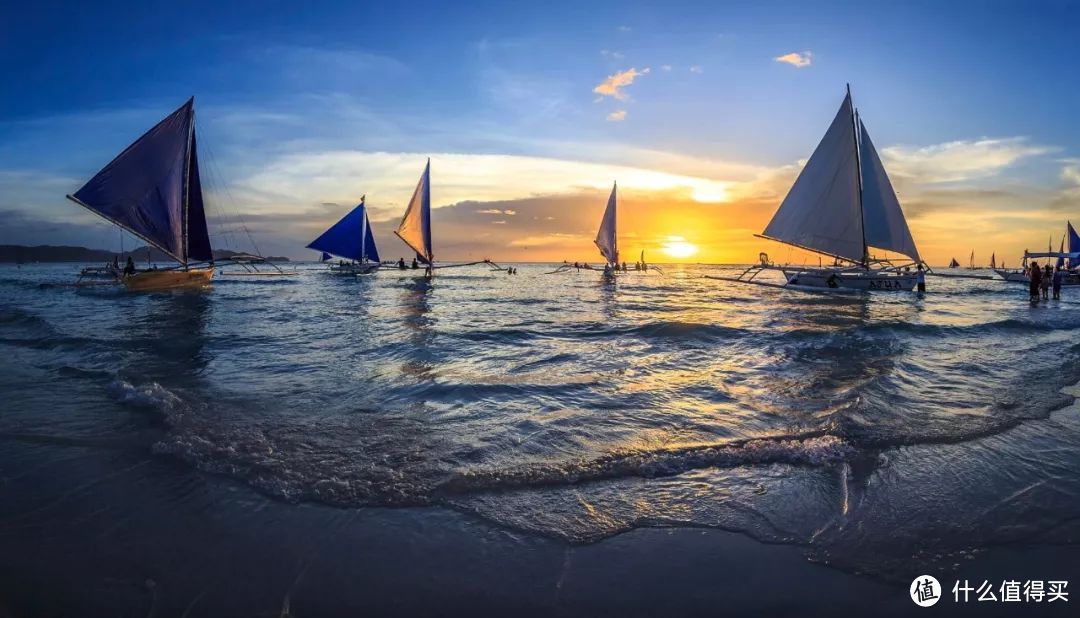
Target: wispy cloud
617	115
696	69
799	60
625	29
665	67
961	160
614	55
614	84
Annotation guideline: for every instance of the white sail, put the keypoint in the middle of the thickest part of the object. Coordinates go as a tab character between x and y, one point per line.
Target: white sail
415	227
883	220
821	211
605	238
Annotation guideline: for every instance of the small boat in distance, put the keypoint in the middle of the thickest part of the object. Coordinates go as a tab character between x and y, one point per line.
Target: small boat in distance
993	261
841	205
153	190
350	238
606	240
954	263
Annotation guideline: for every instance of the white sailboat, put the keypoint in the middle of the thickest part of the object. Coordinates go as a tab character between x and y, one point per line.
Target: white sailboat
840	206
606	240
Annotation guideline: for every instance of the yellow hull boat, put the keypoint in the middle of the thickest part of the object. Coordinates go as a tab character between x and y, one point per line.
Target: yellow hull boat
160	280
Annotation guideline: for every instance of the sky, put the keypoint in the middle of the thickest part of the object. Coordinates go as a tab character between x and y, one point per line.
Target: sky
704	112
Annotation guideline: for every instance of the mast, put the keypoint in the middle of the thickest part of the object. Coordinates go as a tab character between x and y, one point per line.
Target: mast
184	197
363	232
858	167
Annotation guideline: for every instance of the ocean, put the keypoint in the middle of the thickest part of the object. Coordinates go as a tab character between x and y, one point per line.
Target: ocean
282	444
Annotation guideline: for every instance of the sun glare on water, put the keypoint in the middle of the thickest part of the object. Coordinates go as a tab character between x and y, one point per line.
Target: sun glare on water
677	247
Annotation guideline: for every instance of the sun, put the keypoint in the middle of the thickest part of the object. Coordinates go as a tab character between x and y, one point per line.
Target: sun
678	248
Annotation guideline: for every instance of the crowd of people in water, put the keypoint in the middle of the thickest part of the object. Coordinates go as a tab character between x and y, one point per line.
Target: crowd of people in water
1043	280
610	268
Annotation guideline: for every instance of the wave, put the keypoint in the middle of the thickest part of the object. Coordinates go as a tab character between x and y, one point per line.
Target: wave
809	450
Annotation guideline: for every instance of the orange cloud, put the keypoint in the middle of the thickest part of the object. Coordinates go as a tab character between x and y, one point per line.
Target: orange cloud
796	59
613	85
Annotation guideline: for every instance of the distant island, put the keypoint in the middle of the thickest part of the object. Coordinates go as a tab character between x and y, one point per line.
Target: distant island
47	253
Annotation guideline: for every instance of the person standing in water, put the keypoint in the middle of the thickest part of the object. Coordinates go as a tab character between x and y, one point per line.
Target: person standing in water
1059	278
1048	275
920	280
1035	274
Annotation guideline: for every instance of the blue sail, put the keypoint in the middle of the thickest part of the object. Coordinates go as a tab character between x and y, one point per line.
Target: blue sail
1074	245
152	189
348	238
325	256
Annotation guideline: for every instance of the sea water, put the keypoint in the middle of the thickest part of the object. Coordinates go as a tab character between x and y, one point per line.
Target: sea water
880	433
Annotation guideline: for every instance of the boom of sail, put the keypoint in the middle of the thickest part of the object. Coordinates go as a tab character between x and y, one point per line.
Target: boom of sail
415	227
349	238
605	237
843	203
153	190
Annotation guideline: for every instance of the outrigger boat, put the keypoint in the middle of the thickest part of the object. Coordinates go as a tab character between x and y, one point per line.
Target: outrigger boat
153	190
840	206
1069	259
607	242
350	238
415	229
954	264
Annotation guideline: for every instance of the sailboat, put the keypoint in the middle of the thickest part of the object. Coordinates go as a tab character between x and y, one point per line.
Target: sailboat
1067	257
415	228
993	261
971	261
840	206
954	263
153	190
350	238
606	240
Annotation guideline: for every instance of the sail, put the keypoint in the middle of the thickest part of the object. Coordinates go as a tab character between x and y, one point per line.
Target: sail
884	222
605	238
415	228
993	260
198	237
1061	258
152	189
954	263
370	252
821	211
325	256
1074	245
349	238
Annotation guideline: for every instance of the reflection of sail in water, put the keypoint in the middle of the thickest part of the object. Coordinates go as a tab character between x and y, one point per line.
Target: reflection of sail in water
170	333
415	306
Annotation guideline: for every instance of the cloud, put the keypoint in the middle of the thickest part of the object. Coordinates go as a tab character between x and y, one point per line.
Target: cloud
696	69
617	115
496	211
665	67
613	85
959	161
1070	173
796	59
614	55
625	29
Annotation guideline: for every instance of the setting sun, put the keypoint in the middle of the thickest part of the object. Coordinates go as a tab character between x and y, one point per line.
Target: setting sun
677	247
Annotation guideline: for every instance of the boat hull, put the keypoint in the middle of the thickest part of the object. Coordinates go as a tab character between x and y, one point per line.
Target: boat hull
870	281
1018	276
351	270
160	280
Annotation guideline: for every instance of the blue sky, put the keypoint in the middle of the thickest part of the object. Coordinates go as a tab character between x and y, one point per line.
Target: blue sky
970	99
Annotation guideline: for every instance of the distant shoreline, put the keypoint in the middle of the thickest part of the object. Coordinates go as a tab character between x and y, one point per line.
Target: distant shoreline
21	254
